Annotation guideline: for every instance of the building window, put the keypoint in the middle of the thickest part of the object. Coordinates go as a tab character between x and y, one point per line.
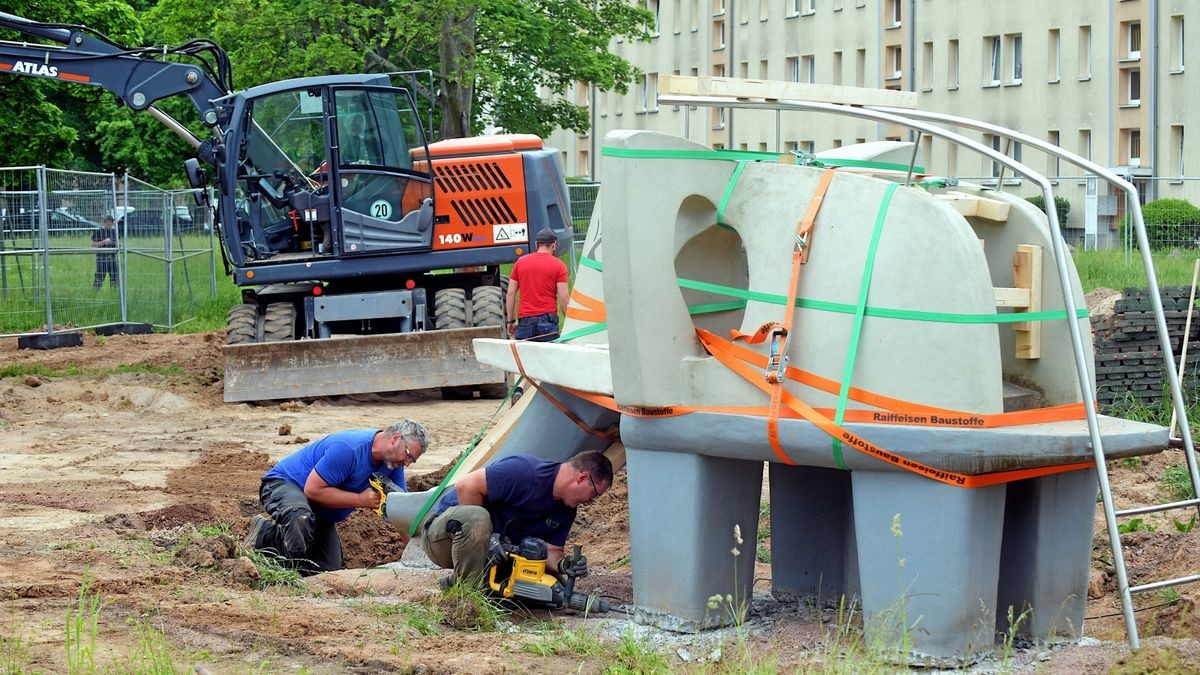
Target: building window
993	65
1054	55
892	9
808	146
677	17
793	8
927	66
1085	52
1053	162
951	159
718	7
837	7
718	35
793	69
582	168
837	67
895	63
1085	145
1014	47
994	141
744	70
927	152
808	69
1134	144
763	12
1177	149
1133	40
808	7
651	88
763	69
860	67
652	6
952	66
1134	86
1177	43
718	114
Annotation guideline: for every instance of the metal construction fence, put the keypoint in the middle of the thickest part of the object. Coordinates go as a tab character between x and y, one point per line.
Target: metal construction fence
583	202
61	269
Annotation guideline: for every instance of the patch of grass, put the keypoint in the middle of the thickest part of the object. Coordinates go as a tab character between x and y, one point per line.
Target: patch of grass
1178	482
563	642
762	552
82	624
272	573
1108	269
423	618
634	655
1168	595
1181	526
24	369
153	653
469	608
15	652
214	530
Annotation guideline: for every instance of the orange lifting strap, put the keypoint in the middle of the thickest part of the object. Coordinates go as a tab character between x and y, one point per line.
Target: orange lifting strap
610	436
776	370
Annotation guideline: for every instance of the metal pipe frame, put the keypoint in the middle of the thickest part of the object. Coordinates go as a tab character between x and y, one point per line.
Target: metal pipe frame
909	119
1135	208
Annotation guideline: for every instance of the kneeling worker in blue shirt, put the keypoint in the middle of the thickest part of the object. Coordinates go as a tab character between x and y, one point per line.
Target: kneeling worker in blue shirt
308	492
518	496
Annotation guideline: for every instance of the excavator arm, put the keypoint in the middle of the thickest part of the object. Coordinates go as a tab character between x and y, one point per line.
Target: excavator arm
138	76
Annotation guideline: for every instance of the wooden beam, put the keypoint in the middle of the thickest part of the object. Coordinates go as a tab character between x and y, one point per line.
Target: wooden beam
1027	274
774	90
1012	297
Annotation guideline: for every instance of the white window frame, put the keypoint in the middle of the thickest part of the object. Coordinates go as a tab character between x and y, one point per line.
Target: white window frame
927	66
1178	45
952	70
1016	44
894	13
1084	53
1133	40
793	68
1054	55
808	7
808	68
995	63
1177	149
1133	97
1054	137
1134	138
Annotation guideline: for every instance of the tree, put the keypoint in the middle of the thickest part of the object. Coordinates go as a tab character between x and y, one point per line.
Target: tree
491	58
53	123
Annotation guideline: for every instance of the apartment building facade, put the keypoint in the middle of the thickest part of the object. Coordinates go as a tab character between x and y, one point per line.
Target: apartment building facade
1106	79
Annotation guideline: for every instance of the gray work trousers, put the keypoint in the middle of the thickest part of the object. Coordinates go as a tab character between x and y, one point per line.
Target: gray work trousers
463	547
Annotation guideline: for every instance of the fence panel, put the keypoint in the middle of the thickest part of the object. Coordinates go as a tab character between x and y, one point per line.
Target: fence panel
583	202
60	269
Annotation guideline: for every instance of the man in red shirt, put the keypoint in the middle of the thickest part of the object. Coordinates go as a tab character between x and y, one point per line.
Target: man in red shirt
541	280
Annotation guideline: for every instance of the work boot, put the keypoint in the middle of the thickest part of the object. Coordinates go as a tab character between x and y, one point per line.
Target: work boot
257	524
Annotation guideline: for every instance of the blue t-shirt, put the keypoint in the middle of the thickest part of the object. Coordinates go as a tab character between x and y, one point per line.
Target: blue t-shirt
343	460
521	500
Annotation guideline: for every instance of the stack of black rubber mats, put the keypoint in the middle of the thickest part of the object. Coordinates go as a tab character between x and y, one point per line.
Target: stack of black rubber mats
1129	363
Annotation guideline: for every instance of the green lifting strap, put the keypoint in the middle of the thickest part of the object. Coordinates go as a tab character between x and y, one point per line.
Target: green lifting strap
878	312
859	312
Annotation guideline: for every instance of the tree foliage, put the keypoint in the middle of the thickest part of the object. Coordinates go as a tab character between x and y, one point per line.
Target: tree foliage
506	64
1062	207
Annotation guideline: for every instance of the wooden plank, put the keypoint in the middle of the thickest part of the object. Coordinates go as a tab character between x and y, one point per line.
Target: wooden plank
1012	297
1027	274
738	88
978	207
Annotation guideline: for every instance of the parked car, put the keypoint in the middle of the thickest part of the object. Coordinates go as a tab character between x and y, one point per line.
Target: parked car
61	222
141	222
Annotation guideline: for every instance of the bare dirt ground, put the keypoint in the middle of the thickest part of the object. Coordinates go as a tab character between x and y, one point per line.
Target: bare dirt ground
107	476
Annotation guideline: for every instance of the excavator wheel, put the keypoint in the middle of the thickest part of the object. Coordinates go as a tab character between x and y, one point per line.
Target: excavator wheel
279	323
487	309
487	306
241	326
450	308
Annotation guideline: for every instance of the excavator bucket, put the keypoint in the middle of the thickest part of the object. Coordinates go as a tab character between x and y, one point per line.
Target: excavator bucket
357	364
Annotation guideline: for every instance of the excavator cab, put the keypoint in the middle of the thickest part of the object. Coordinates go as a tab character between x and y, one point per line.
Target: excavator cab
328	166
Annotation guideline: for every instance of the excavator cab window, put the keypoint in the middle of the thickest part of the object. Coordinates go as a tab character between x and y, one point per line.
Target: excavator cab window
386	197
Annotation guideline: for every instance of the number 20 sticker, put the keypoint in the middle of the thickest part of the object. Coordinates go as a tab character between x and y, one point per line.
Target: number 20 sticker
381	208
